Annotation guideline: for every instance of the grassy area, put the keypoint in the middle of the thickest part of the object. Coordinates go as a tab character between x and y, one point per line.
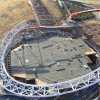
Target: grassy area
91	1
13	12
96	3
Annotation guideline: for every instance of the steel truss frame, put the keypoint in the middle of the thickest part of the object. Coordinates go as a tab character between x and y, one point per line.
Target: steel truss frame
49	90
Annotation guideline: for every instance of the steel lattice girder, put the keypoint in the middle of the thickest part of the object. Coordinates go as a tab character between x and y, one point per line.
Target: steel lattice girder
23	89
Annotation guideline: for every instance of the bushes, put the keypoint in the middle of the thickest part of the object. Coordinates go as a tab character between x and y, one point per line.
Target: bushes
84	16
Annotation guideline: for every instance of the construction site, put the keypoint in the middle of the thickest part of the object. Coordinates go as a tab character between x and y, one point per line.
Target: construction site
50	50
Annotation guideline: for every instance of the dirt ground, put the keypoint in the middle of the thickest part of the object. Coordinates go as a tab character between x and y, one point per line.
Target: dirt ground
52	8
13	12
